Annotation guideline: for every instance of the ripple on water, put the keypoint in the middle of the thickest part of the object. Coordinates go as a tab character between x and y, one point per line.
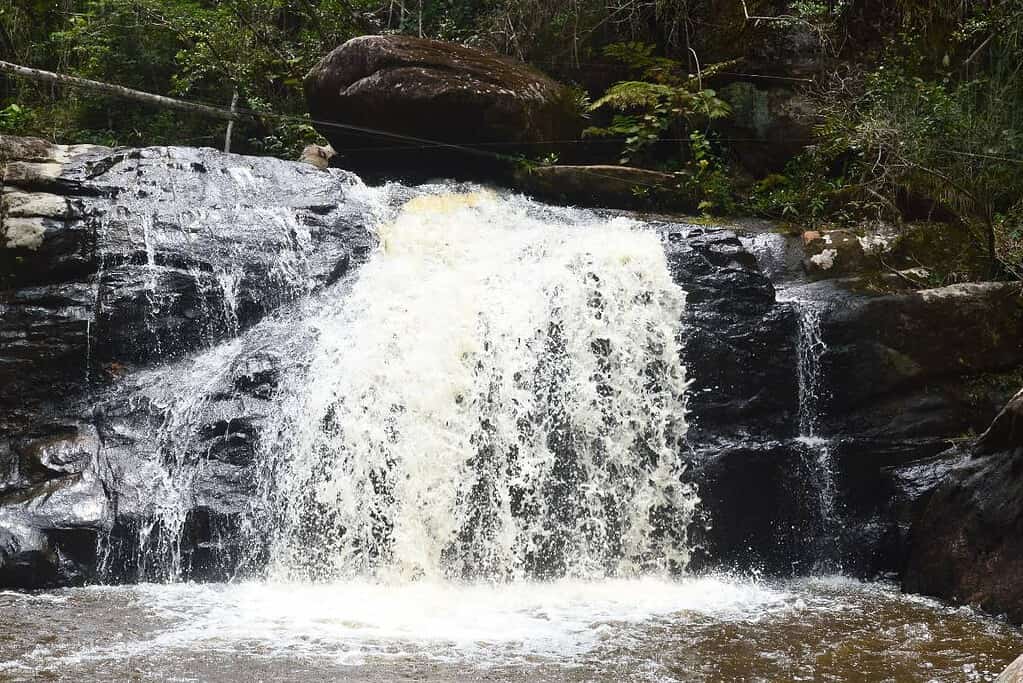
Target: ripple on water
701	629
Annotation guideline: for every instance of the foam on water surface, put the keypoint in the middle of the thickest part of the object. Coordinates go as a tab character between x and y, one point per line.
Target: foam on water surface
711	628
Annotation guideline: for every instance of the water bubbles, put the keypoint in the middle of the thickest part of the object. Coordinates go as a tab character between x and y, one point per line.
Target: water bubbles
499	396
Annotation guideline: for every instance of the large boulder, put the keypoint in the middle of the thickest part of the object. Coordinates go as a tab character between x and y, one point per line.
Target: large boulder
432	91
936	363
967	545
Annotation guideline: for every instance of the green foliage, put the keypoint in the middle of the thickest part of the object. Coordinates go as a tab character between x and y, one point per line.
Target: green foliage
935	125
14	119
665	101
806	193
956	141
932	117
188	48
707	178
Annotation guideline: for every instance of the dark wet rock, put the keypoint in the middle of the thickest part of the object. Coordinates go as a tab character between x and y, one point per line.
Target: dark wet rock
48	532
967	544
26	558
905	376
59	450
111	262
614	187
760	514
763	510
758	511
779	253
775	124
881	486
933	363
435	91
152	257
739	343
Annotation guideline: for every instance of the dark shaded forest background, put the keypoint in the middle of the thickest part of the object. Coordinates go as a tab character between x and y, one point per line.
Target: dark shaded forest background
913	110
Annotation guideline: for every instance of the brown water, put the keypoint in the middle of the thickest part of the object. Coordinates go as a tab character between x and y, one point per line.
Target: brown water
704	629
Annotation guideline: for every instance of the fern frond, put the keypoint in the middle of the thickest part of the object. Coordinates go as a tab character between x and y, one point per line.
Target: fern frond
628	95
634	55
712	70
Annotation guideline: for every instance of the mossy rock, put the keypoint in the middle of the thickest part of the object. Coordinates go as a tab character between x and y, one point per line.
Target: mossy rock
949	252
605	186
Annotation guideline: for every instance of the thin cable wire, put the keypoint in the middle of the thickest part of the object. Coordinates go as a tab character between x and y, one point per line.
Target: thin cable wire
472	148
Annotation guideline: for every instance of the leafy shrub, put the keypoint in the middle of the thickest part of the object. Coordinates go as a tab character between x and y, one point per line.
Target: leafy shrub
666	102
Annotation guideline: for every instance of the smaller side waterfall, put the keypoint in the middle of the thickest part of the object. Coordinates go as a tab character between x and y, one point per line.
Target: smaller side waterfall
816	448
811	383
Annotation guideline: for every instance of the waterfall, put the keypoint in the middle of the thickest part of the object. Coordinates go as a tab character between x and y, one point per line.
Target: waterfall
817	449
175	270
499	394
811	385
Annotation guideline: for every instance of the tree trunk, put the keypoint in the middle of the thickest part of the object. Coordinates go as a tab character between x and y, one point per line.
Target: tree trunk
230	124
118	91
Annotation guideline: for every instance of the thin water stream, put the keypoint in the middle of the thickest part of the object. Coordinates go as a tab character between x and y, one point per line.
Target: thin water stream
816	447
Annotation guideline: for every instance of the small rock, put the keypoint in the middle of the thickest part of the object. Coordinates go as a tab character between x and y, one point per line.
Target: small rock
1013	673
833	253
810	236
318	155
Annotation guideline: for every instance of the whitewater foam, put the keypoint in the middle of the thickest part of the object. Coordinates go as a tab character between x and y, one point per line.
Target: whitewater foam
499	395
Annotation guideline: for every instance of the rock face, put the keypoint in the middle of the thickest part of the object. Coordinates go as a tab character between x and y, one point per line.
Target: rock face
741	352
902	376
113	261
777	122
906	374
437	92
967	545
935	363
740	343
149	310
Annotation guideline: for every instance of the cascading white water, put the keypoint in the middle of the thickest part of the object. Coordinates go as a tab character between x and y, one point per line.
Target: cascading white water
810	349
811	383
160	487
499	395
811	393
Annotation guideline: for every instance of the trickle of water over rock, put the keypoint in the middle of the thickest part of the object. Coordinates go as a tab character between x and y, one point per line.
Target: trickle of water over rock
499	395
817	449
